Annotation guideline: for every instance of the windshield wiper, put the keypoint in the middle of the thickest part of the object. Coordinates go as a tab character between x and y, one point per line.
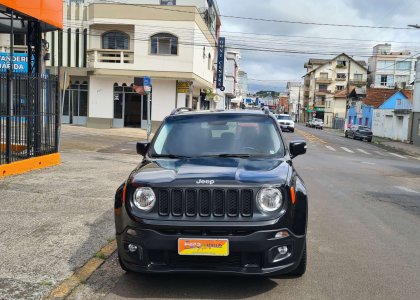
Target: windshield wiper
228	155
173	156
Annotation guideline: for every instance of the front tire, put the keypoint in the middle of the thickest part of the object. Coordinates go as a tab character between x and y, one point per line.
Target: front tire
301	269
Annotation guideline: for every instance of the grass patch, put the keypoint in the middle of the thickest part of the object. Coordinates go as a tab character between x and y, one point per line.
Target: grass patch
46	283
100	255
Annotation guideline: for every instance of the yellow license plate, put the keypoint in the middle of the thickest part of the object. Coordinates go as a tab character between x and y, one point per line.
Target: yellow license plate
203	247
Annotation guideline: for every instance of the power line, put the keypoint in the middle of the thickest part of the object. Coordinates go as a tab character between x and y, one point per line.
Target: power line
274	20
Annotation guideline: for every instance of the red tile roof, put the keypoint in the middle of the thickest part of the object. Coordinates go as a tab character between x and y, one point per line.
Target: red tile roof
377	96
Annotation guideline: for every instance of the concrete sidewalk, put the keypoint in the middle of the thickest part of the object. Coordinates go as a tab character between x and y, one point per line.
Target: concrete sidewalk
53	220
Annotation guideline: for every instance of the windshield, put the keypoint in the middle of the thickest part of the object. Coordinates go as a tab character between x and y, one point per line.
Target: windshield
284	118
218	135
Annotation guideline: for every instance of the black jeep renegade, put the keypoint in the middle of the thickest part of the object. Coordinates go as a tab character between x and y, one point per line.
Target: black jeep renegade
215	192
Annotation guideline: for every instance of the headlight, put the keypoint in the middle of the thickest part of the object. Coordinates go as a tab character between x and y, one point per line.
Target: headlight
269	199
144	199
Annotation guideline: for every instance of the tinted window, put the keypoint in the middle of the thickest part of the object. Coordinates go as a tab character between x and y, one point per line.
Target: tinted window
284	118
196	136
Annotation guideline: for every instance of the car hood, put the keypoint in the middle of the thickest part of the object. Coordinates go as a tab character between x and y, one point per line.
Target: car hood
215	171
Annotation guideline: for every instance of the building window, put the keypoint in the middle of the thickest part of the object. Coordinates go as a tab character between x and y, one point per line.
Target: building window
164	44
323	75
84	47
323	87
358	77
167	2
341	63
403	65
384	80
339	87
77	47
341	76
69	47
115	40
209	62
385	64
19	39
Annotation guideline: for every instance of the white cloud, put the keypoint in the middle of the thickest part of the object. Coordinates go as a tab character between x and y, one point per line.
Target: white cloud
283	66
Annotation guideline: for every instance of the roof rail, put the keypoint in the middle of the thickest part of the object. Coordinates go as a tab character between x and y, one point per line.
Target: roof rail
179	110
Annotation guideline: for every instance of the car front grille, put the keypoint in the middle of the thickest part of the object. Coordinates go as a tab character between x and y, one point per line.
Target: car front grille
233	260
219	203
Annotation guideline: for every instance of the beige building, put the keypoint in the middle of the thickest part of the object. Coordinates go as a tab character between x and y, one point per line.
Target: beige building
326	77
391	69
107	44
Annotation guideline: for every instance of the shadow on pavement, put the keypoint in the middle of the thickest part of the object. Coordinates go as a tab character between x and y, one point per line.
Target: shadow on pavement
191	286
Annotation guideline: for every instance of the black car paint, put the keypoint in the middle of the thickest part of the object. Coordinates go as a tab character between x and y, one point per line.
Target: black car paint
356	133
151	229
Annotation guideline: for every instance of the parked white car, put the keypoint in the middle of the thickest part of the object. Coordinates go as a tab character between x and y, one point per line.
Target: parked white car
318	123
286	122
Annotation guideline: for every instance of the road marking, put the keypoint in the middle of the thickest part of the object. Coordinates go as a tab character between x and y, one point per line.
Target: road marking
347	150
397	155
331	148
363	151
381	153
368	163
406	189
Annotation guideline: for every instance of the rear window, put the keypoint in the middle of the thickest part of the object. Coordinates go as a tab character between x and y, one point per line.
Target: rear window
284	118
206	135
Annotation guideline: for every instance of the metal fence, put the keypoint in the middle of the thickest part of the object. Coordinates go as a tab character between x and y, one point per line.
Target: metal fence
29	116
338	123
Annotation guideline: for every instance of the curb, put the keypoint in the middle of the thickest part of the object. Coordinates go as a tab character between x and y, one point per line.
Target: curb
66	287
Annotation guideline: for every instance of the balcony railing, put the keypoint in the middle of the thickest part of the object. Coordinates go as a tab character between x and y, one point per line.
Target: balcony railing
358	81
323	80
322	92
110	56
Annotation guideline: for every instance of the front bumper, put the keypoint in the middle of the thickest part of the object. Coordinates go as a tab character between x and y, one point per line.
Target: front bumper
250	252
287	126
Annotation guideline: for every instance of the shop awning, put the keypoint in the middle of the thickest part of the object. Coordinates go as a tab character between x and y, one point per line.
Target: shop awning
48	12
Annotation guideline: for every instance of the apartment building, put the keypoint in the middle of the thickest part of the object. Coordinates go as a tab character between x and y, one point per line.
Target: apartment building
294	99
107	44
242	84
391	69
232	62
326	77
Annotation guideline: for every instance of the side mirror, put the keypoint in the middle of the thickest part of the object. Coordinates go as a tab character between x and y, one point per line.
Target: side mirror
297	148
142	148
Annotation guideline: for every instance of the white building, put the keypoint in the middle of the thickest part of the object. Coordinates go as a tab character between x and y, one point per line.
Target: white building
242	84
107	44
391	69
326	77
232	61
295	99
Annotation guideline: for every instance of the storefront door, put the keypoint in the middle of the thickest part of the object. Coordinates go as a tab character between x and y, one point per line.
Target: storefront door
75	105
130	108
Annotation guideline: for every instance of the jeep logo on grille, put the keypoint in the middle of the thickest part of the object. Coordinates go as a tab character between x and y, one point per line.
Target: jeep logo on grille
208	182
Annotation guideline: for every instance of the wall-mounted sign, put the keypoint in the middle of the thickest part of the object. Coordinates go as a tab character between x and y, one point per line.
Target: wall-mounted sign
221	64
183	87
142	85
20	62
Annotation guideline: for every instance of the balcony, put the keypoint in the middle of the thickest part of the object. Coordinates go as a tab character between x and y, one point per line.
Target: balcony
108	58
323	80
340	79
306	93
358	82
322	92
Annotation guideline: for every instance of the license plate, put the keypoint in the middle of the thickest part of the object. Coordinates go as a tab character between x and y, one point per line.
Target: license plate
203	247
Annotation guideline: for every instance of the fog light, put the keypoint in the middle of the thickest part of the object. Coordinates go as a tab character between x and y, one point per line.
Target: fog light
282	250
131	232
132	248
281	234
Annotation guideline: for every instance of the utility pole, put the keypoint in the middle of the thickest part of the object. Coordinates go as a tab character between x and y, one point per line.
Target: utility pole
415	114
298	106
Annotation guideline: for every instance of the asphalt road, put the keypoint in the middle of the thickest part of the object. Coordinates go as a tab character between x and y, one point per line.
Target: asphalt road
363	235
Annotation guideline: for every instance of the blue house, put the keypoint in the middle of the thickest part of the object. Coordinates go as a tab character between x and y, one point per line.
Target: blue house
361	112
392	119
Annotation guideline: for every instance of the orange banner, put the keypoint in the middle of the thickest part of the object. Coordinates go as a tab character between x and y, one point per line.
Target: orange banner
48	11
